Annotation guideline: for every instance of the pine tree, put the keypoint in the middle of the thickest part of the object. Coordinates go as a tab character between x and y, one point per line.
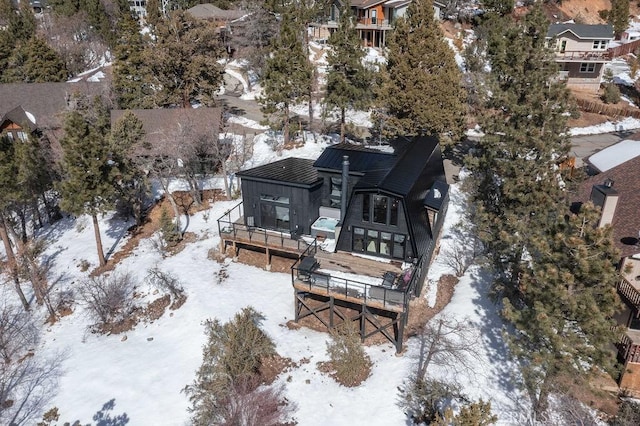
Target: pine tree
348	79
287	74
130	182
526	136
184	61
86	186
35	62
557	275
564	315
618	16
131	78
421	92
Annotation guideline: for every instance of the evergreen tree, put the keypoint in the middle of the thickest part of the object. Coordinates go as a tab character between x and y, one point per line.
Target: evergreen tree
557	275
232	356
525	123
184	61
287	74
35	62
130	182
86	187
131	78
564	314
348	79
618	16
499	7
421	92
154	13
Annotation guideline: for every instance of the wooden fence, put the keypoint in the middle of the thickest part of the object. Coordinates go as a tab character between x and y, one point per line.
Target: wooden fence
609	110
624	49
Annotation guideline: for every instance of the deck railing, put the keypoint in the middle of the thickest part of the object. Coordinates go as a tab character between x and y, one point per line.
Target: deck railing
230	224
327	284
585	56
629	350
629	292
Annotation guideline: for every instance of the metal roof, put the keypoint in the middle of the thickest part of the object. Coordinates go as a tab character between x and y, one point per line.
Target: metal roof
361	160
436	195
293	171
584	31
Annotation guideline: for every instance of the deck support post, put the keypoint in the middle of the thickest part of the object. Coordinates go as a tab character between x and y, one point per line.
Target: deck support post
363	322
331	311
268	253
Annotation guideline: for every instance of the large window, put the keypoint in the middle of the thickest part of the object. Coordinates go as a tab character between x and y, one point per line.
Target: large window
274	212
587	67
599	44
375	242
380	209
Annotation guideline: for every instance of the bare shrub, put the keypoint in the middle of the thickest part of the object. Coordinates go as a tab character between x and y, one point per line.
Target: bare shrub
27	381
445	342
109	299
165	282
350	363
426	400
249	405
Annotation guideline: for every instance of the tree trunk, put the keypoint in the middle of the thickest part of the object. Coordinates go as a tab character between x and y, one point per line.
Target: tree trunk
225	177
96	231
422	371
172	201
286	124
342	124
195	191
13	266
27	263
542	401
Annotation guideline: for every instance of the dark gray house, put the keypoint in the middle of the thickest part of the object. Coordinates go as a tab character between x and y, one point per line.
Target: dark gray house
383	210
283	196
391	204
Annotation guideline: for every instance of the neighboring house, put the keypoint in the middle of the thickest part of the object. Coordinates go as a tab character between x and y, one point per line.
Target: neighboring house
374	19
17	124
614	155
44	103
382	212
164	127
209	12
581	51
139	7
617	192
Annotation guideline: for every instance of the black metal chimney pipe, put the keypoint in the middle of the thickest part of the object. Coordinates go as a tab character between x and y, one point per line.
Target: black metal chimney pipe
345	187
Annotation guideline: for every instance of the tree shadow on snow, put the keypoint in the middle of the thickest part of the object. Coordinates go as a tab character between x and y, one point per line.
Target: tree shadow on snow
117	229
104	418
503	369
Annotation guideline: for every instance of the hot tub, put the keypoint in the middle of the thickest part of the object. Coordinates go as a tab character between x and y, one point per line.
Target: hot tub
324	227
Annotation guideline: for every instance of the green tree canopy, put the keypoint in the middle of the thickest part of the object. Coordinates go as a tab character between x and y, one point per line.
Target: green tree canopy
349	81
421	90
184	61
287	75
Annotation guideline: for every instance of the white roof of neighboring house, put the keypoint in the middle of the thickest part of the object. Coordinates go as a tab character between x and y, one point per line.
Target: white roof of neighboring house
615	155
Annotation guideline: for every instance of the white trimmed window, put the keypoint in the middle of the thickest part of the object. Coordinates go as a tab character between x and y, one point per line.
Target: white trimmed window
599	44
587	67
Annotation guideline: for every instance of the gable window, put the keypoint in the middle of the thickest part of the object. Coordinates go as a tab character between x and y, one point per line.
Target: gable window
599	44
380	206
587	67
380	209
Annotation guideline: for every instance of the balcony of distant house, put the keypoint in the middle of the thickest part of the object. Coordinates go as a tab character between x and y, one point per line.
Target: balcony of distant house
582	56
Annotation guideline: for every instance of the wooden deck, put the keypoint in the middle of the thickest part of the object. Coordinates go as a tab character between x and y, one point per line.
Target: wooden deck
263	239
350	263
358	298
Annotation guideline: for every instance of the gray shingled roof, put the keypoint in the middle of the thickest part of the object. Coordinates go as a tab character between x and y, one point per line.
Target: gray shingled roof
583	31
293	171
166	123
46	101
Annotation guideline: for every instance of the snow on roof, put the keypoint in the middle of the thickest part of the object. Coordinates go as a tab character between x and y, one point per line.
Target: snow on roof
615	155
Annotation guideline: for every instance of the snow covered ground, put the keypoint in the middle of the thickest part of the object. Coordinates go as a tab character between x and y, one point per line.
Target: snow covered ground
144	370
